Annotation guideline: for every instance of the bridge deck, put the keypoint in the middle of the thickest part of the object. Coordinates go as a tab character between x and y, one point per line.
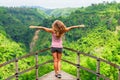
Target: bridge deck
51	76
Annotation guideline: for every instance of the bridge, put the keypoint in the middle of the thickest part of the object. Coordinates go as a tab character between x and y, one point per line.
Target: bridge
65	76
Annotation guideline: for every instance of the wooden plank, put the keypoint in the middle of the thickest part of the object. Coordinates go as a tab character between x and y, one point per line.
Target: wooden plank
51	76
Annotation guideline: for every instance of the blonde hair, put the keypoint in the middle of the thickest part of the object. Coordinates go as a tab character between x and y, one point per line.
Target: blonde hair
59	28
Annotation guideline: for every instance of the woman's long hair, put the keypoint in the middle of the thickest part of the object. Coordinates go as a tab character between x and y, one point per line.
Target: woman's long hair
59	28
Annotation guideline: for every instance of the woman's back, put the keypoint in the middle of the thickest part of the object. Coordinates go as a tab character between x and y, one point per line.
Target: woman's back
56	42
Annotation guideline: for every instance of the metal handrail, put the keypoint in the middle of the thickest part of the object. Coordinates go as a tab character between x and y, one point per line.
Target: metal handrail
97	72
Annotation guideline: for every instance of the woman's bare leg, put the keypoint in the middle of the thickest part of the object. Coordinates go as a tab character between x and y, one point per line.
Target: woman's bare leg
59	55
55	59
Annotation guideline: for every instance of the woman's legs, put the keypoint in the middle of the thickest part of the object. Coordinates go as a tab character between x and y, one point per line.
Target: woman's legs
57	62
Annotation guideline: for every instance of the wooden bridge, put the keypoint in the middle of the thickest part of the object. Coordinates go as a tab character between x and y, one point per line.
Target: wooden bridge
65	76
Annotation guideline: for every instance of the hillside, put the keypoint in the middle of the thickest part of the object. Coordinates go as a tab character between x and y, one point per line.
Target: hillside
17	20
60	12
55	12
9	49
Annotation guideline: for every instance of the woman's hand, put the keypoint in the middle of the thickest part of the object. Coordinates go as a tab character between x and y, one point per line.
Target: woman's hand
79	26
32	27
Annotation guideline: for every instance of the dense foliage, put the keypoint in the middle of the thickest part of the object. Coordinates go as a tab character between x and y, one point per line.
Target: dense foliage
16	22
100	37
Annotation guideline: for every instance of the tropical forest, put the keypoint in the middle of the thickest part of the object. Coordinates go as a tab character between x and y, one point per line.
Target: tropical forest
100	37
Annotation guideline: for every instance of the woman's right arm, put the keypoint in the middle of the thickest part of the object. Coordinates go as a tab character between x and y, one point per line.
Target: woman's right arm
43	28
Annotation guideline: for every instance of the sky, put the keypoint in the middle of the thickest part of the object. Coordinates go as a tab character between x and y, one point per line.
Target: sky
52	4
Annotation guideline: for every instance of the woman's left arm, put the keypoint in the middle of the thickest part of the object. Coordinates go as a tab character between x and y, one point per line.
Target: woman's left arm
72	27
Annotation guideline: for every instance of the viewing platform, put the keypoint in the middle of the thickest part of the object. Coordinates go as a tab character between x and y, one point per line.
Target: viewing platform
51	76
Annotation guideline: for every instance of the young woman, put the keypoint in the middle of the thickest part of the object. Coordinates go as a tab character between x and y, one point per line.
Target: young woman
58	29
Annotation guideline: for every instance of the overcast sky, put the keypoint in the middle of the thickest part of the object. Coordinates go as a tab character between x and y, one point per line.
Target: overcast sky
52	3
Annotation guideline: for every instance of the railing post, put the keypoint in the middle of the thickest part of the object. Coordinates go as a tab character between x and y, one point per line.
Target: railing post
16	65
119	74
98	69
78	65
36	57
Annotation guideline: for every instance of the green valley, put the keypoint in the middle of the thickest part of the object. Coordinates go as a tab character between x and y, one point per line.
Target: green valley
100	37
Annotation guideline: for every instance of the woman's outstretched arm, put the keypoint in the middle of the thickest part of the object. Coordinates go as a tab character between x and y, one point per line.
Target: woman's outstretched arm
43	28
72	27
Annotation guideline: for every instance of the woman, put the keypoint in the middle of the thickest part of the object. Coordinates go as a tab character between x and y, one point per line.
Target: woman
58	29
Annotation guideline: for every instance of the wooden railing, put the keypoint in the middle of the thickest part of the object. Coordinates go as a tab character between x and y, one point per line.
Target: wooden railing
77	65
97	72
16	60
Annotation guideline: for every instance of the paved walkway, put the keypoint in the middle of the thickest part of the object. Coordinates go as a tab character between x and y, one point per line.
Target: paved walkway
51	76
